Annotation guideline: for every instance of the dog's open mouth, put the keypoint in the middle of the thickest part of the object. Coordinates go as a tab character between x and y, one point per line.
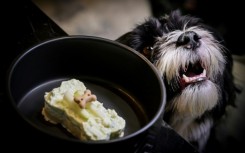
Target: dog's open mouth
192	74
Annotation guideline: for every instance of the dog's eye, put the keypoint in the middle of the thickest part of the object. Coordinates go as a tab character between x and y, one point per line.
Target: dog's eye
147	52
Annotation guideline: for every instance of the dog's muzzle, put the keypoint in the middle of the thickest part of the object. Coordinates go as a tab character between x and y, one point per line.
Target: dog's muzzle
194	72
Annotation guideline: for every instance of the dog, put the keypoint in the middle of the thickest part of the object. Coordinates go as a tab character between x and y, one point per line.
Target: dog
196	68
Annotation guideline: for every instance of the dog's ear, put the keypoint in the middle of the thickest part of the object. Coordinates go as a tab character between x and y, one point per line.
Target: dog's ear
143	36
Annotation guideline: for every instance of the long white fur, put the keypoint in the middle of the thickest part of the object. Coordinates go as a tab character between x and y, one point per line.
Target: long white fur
194	100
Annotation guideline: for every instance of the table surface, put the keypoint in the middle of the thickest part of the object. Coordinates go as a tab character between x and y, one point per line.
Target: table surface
30	26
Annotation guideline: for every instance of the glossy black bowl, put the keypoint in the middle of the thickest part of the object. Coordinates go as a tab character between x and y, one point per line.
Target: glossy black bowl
120	77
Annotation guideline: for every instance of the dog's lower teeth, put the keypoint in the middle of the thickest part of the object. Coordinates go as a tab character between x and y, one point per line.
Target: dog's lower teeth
199	79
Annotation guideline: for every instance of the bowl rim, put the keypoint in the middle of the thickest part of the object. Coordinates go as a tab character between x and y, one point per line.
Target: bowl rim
151	122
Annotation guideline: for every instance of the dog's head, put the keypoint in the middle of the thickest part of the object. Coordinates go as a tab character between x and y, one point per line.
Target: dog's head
191	58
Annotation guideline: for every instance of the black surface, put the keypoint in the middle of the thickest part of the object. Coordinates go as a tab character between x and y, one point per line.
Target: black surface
24	27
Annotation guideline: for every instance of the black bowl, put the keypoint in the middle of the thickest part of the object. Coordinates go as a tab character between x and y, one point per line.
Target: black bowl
121	78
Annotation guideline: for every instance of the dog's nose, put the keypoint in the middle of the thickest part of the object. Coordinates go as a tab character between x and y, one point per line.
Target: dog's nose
189	40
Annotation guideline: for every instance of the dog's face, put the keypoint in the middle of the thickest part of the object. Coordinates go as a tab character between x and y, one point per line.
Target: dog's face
194	65
192	62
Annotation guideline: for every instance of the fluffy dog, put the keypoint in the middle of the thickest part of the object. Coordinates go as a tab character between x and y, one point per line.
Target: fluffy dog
196	69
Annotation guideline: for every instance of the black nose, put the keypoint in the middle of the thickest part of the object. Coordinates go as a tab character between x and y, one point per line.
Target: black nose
189	40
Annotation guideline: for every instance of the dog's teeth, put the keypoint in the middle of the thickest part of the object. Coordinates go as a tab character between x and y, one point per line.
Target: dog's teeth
186	78
188	46
200	79
204	73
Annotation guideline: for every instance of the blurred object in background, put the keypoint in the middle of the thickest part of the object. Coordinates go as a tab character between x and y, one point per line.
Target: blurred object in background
104	18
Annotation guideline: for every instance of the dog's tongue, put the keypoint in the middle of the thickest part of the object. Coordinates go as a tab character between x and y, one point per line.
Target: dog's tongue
191	77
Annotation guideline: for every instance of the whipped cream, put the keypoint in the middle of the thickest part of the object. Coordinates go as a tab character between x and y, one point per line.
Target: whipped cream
91	122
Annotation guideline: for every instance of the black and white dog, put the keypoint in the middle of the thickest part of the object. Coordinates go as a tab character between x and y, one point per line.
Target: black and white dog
196	68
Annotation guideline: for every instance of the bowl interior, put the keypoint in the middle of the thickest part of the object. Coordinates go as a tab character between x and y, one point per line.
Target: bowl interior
120	77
